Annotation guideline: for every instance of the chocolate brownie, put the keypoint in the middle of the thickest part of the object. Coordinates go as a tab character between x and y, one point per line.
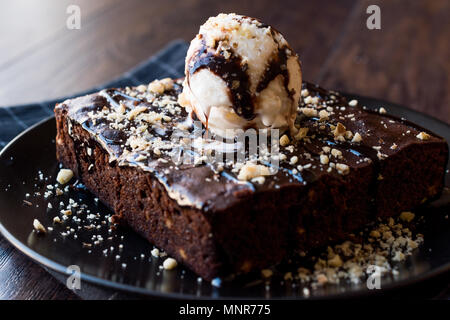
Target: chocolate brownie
345	167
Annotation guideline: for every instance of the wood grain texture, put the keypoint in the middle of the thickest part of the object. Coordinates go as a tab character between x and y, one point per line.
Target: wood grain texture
117	35
407	62
22	279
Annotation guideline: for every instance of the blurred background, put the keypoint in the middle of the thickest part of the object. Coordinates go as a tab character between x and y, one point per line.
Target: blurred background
406	61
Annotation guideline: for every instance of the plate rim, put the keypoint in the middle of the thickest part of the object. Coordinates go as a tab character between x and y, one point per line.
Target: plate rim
55	266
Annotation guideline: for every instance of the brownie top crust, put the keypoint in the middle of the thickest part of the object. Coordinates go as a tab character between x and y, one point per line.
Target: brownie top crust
145	127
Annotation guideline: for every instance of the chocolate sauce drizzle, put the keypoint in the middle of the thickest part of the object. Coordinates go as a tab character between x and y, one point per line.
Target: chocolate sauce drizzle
277	66
189	180
235	75
232	71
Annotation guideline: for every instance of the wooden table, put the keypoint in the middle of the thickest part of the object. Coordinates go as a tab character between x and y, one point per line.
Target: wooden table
406	61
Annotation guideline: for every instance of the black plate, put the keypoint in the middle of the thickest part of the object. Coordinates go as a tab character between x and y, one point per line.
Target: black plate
34	151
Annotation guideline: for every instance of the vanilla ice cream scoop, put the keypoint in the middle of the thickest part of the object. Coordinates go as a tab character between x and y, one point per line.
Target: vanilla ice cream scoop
241	74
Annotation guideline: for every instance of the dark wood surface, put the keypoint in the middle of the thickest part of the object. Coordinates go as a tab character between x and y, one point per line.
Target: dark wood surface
407	62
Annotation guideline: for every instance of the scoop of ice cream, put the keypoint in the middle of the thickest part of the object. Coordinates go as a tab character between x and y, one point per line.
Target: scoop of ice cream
240	74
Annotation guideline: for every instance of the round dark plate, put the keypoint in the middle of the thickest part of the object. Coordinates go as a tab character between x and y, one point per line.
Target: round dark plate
33	152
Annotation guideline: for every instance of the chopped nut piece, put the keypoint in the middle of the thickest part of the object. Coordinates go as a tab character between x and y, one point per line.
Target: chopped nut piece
423	136
288	276
353	103
375	234
322	279
284	140
324	159
122	109
326	149
382	110
266	273
56	220
250	171
167	83
357	138
66	212
336	153
381	156
302	132
293	160
398	256
407	216
169	263
156	87
155	252
64	176
305	92
339	130
37	225
308	99
335	262
134	112
342	168
323	115
309	112
141	88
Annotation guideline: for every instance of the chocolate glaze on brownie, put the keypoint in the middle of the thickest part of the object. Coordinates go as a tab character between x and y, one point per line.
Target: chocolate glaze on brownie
328	183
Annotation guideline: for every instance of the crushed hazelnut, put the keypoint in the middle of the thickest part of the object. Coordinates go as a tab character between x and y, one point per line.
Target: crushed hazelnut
155	252
309	112
156	86
336	153
250	171
339	130
335	262
324	159
302	132
169	263
407	216
342	168
37	225
266	273
322	279
305	93
64	176
353	103
357	138
323	115
167	83
284	140
141	88
134	112
423	136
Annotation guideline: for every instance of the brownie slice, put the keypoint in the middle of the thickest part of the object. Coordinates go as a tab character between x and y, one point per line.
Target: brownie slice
409	159
124	144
